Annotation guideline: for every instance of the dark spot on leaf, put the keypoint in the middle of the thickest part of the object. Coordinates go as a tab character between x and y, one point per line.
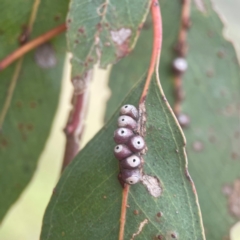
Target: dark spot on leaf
20	126
69	20
26	168
197	146
210	33
19	104
24	37
173	235
4	142
90	59
212	139
221	54
210	73
99	26
159	214
135	212
30	127
234	156
237	134
76	41
33	104
57	17
45	56
81	30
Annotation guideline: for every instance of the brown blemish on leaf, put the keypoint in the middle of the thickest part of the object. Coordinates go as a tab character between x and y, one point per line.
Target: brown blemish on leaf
33	104
152	184
159	214
4	142
24	37
140	228
19	104
210	73
81	30
212	139
20	126
173	235
135	212
30	127
221	54
234	156
121	39
56	17
197	146
233	193
237	134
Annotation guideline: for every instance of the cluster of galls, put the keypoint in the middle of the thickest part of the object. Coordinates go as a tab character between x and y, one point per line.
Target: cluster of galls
130	144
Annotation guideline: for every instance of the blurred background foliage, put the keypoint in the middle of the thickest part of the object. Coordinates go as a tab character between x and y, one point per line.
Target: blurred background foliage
24	219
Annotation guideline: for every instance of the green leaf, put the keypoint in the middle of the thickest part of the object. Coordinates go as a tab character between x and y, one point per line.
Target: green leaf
87	199
135	64
103	31
32	107
212	100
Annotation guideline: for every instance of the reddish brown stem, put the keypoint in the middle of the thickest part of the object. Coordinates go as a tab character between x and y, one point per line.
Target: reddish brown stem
157	43
75	124
181	52
31	45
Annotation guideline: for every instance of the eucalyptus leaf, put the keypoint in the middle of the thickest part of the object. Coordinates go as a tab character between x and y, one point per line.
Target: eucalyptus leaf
102	31
212	100
86	202
27	123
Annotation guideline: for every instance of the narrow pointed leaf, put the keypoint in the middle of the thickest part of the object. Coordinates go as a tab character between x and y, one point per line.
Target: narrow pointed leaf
103	31
212	100
87	200
32	107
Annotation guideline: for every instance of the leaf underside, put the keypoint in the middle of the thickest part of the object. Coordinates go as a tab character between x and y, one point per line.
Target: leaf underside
87	199
29	117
